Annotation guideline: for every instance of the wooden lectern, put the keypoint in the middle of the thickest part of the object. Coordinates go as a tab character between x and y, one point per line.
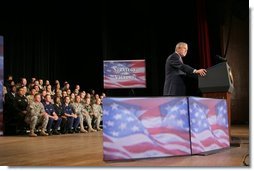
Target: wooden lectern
218	83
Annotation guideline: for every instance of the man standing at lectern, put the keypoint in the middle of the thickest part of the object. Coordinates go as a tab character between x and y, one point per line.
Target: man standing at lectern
176	70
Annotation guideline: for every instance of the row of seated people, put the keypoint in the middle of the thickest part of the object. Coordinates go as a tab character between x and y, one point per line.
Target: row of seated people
38	86
53	116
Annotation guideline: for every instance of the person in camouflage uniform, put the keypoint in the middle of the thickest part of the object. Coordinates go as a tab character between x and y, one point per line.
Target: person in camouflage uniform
89	114
97	113
36	114
79	110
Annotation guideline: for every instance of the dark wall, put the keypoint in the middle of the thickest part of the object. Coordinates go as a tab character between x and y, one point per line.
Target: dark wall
236	30
137	29
70	41
54	42
229	25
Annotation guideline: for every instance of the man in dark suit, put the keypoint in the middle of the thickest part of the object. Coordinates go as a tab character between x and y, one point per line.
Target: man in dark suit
9	110
176	70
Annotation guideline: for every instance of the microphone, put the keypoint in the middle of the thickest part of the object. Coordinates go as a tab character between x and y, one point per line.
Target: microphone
221	58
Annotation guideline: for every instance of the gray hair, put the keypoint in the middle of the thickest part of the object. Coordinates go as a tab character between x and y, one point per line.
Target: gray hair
181	44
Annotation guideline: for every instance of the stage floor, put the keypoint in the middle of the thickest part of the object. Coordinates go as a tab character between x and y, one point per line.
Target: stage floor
86	150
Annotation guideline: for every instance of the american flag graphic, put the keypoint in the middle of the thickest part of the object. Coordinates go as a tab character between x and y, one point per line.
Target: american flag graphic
209	124
159	127
124	74
145	127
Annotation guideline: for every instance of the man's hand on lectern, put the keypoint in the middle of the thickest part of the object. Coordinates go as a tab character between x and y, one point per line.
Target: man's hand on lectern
201	72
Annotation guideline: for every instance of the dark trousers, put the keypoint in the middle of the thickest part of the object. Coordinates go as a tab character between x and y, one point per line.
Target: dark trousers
72	122
54	123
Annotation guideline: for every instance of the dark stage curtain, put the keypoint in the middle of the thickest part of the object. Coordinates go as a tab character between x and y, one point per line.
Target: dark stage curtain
53	50
62	44
203	35
30	51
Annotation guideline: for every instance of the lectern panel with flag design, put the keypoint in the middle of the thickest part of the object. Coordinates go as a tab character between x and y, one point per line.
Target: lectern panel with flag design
159	127
145	127
209	124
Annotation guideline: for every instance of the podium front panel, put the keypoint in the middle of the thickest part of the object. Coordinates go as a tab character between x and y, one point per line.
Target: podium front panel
209	124
145	127
148	127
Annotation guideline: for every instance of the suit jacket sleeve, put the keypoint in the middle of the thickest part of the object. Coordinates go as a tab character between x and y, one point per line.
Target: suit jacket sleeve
176	63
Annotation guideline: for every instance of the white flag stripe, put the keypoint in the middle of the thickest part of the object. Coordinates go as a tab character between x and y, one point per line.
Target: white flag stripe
152	122
167	138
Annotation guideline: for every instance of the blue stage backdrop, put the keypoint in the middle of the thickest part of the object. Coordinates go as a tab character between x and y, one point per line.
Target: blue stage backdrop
1	82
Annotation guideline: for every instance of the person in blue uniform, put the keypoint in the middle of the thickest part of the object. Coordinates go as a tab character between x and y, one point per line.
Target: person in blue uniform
72	118
54	121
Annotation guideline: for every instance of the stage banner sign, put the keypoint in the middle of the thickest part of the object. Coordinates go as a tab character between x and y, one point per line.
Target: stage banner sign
124	74
1	82
145	127
209	124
